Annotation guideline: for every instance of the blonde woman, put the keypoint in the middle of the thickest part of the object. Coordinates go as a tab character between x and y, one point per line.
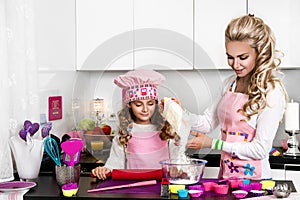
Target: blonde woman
251	105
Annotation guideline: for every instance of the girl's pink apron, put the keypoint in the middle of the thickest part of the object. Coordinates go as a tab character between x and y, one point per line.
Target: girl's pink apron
235	130
145	150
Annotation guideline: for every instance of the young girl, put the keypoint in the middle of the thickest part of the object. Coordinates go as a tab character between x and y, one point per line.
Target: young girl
143	138
251	105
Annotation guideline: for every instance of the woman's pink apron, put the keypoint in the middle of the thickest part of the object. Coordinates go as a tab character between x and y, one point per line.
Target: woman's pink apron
145	150
235	130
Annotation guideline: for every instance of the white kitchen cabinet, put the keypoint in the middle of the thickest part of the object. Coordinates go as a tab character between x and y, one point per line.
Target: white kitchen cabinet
163	34
54	35
104	34
211	19
283	17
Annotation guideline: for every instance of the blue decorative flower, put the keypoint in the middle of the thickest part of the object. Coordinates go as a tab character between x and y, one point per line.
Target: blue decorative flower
248	169
233	168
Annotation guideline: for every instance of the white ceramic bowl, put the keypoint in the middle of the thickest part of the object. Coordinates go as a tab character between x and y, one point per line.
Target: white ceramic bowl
187	172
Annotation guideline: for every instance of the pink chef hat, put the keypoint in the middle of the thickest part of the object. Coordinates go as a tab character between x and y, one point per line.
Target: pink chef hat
139	85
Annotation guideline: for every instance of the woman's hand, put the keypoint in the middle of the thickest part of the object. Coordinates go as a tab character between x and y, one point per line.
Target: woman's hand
101	172
200	141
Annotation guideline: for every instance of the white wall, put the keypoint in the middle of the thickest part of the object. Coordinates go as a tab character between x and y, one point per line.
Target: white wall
55	42
191	87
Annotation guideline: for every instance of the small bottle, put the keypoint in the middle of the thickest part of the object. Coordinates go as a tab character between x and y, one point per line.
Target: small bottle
164	192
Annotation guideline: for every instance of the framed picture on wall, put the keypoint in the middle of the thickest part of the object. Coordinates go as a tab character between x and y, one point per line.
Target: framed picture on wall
55	108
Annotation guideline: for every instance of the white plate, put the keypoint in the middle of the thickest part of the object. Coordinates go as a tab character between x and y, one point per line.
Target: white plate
16	185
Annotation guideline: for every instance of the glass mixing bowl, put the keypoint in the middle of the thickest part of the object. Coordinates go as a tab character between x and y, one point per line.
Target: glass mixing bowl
183	171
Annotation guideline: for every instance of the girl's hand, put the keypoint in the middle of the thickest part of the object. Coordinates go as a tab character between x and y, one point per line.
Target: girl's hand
100	172
200	141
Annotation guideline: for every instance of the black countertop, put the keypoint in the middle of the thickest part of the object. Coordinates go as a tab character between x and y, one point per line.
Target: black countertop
88	162
48	189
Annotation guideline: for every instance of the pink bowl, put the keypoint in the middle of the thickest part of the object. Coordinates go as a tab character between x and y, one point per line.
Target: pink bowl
235	183
221	189
209	186
239	194
196	187
257	193
246	187
256	186
196	193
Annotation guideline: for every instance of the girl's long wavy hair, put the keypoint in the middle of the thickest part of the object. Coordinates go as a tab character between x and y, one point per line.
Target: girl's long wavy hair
260	37
126	119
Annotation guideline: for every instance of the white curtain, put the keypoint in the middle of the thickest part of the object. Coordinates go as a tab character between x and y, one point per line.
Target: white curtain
18	75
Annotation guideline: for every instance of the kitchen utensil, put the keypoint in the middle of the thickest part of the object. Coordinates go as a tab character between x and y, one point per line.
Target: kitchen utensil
72	149
183	193
209	186
246	187
136	174
282	190
257	193
16	185
221	189
196	193
267	184
256	186
69	189
239	194
67	174
174	188
183	171
52	149
137	184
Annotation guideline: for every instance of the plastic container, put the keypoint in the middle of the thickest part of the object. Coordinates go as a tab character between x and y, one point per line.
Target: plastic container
234	183
196	193
185	172
196	187
67	174
256	186
239	194
257	193
246	187
267	184
70	189
174	188
98	145
182	193
221	189
209	186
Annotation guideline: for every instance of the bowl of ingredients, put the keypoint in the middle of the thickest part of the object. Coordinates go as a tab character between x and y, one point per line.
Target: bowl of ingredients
185	171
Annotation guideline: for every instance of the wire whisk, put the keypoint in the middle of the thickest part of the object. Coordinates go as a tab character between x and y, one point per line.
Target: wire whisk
52	150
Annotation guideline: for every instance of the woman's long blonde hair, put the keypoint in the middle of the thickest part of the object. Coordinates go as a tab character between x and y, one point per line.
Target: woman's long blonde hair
126	119
260	37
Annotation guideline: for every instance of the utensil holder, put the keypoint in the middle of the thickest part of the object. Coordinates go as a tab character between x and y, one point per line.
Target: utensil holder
28	156
67	174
